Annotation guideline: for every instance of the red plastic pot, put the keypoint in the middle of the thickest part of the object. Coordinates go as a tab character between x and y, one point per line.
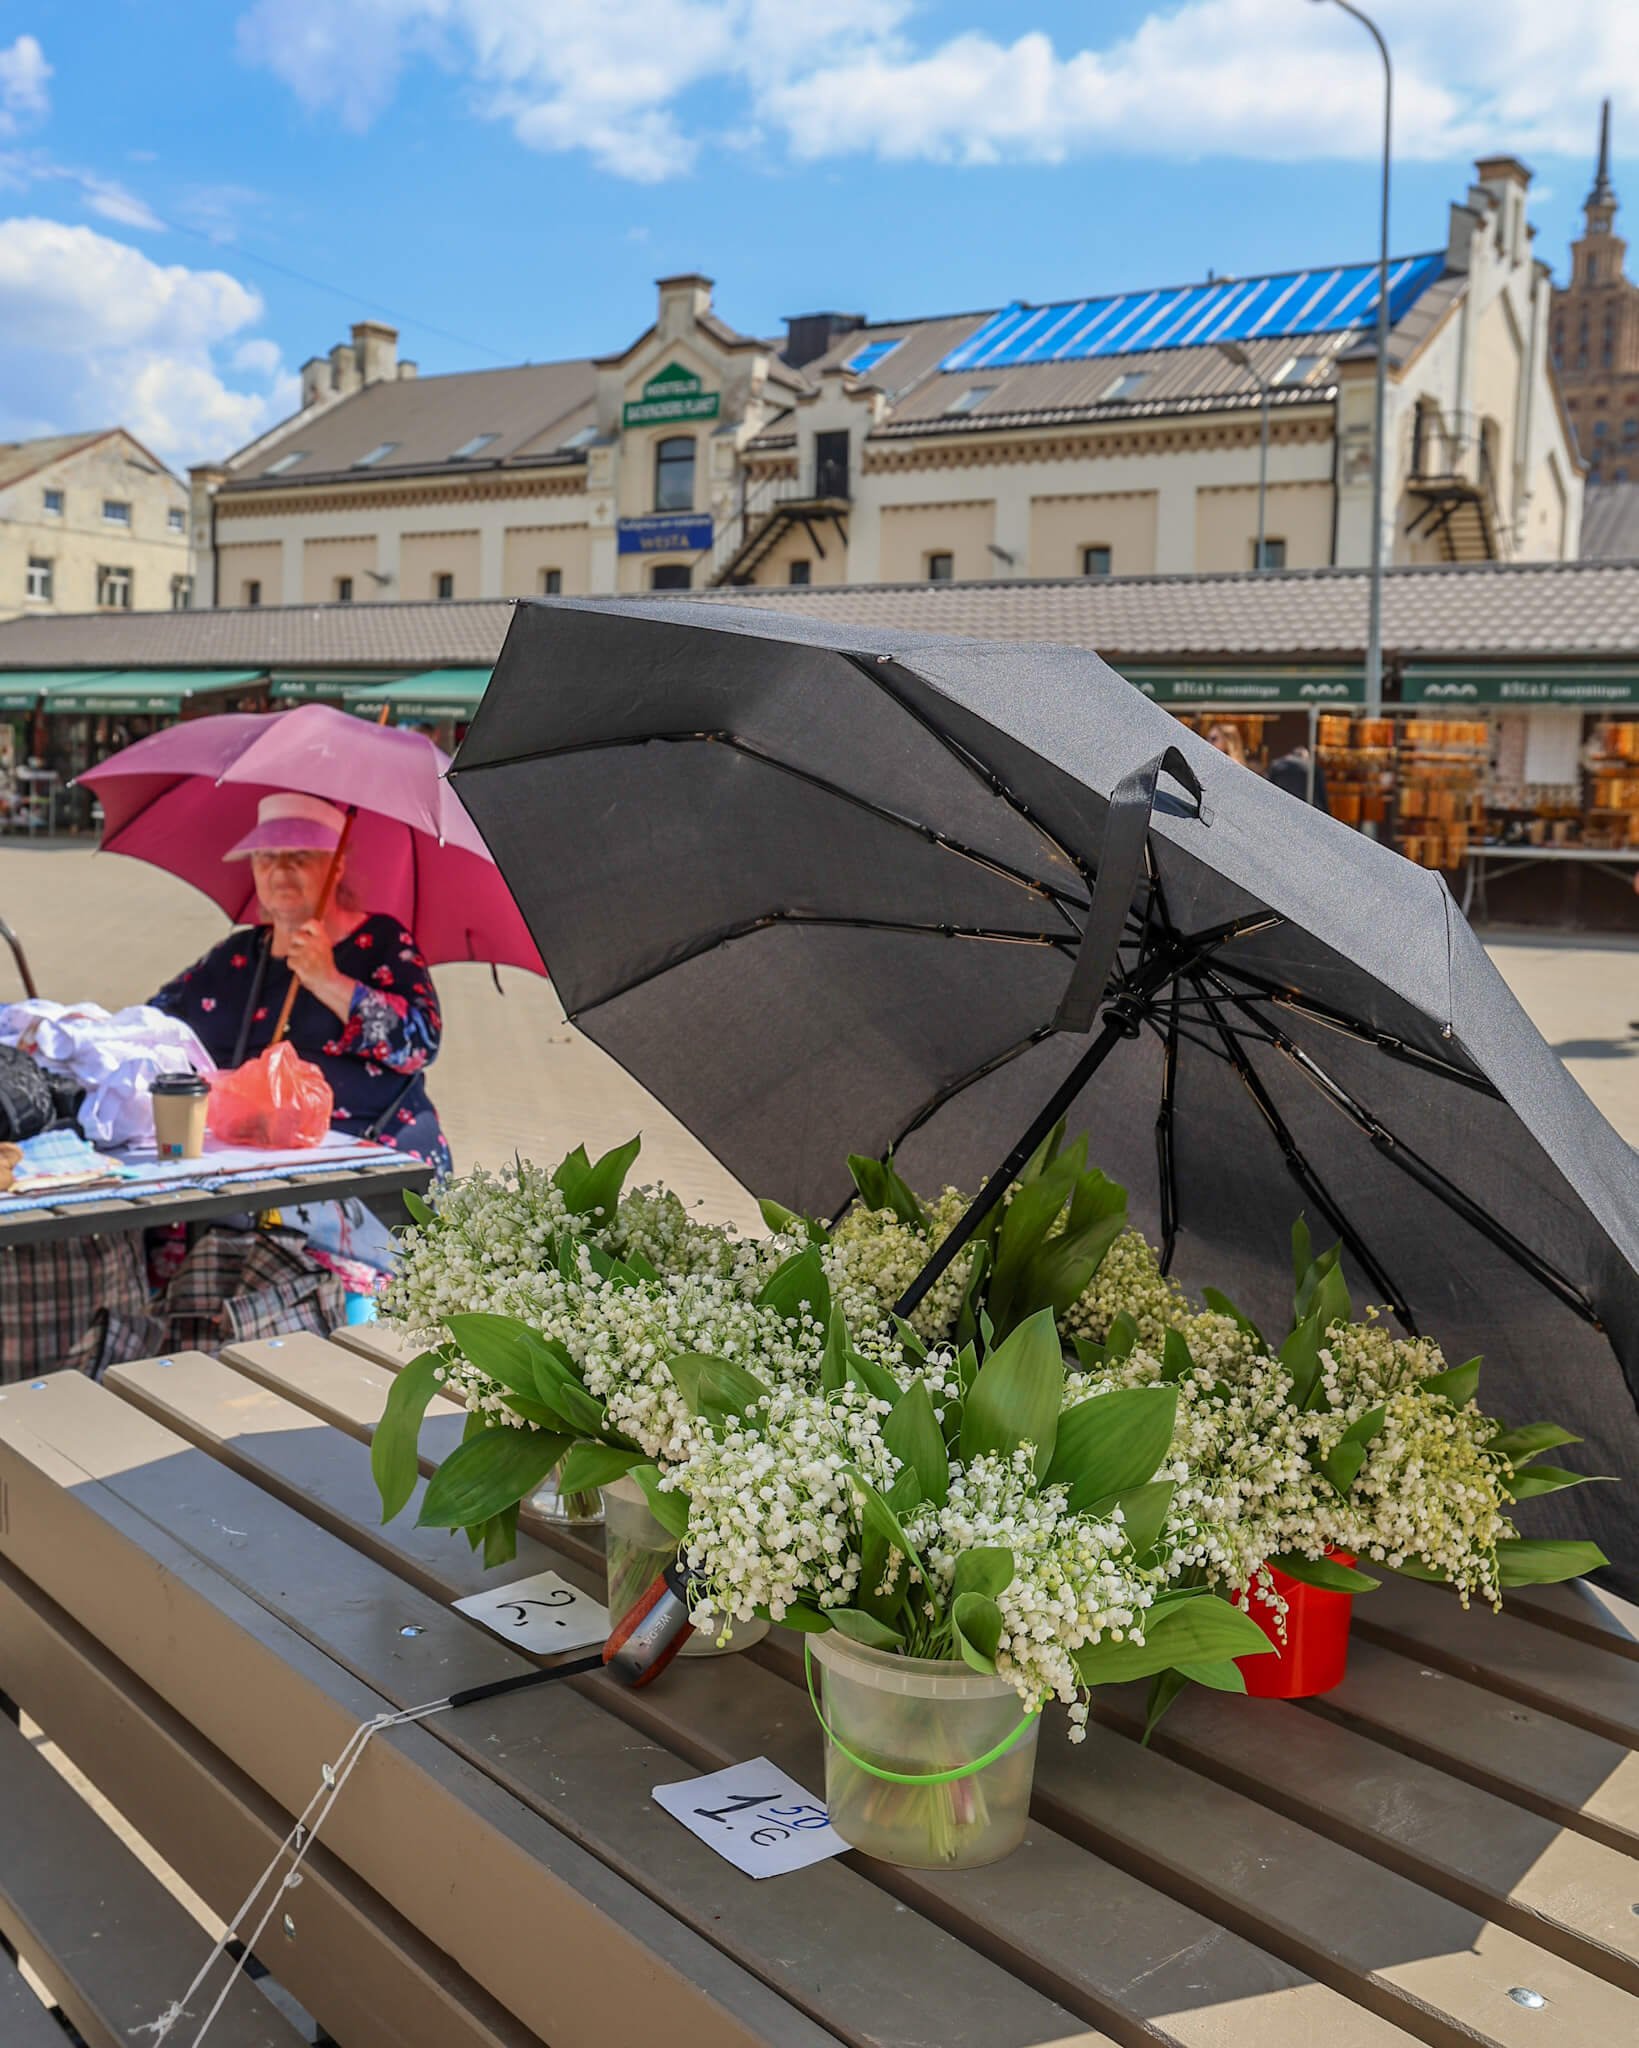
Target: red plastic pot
1315	1653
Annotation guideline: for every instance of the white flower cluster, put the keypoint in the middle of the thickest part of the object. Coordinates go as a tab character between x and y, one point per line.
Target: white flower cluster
1129	1278
873	1257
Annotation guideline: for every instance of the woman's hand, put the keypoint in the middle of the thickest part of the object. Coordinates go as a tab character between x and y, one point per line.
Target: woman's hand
311	958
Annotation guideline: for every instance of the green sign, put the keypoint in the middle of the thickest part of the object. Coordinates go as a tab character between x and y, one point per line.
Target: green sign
1594	687
671	394
1251	689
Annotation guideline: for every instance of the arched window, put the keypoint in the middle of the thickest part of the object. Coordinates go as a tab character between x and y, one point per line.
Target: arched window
674	474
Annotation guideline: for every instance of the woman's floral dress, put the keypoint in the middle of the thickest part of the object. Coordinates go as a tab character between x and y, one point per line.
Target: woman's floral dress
374	1062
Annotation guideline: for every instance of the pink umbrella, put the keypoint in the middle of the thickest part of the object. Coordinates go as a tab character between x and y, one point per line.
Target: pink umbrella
179	799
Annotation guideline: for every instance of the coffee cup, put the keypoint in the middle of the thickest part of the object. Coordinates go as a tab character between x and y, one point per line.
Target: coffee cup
180	1101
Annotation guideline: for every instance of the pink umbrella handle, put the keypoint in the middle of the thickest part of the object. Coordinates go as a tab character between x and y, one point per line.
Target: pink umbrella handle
325	893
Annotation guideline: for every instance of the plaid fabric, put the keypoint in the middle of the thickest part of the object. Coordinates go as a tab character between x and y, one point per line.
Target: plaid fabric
51	1296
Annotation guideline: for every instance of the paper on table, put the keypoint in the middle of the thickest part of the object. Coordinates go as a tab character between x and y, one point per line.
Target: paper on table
542	1614
754	1816
332	1149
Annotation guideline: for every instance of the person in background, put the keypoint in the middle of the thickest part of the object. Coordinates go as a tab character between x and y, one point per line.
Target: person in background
365	1013
1291	773
1227	739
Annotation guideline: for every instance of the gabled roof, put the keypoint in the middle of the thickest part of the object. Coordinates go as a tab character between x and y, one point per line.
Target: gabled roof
22	459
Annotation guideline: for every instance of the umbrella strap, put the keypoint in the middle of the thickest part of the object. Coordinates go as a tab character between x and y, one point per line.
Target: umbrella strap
1121	864
241	1044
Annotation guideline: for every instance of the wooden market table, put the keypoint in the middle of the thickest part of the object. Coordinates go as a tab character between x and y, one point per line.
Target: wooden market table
198	1602
1484	863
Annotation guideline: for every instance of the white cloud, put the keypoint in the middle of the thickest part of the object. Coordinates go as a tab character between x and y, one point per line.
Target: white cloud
23	95
1265	79
94	333
110	200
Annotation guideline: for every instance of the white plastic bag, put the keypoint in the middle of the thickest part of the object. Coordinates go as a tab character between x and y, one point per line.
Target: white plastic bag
114	1057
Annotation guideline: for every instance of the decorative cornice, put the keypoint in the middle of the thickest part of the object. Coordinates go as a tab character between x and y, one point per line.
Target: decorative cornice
759	470
246	504
1081	445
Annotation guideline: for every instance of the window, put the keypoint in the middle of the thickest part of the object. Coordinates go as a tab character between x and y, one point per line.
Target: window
114	589
582	437
1127	385
674	474
475	446
286	462
344	590
974	395
870	355
250	593
1297	370
1274	554
941	568
377	454
116	511
831	465
551	583
1630	430
671	576
176	520
1095	561
52	504
181	593
39	579
800	572
443	586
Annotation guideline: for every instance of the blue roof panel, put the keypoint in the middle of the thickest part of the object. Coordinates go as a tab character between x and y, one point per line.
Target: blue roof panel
871	354
1320	301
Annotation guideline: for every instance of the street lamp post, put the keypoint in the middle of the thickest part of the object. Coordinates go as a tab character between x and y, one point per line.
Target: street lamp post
1232	351
1374	616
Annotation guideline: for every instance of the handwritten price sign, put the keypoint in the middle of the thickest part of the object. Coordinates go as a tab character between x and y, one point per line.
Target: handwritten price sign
543	1615
753	1815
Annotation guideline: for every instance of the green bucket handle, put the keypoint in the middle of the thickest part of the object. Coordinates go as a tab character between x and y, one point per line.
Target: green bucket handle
913	1777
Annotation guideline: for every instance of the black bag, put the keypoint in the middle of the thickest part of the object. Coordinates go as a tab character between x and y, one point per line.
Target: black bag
27	1105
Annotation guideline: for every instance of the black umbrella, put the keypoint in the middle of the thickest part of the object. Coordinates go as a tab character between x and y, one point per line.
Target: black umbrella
825	889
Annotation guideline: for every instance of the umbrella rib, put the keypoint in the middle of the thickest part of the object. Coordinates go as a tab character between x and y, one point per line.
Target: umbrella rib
1427	1176
1166	1177
1059	941
1304	1174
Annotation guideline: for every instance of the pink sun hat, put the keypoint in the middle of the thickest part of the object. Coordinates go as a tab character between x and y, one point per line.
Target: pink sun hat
288	823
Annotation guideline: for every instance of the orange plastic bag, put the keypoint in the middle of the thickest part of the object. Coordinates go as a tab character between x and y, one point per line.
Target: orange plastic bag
277	1099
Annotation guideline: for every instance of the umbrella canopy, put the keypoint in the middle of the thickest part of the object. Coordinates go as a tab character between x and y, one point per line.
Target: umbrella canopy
179	799
824	889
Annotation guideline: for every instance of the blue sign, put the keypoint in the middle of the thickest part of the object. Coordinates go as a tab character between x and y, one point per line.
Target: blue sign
665	533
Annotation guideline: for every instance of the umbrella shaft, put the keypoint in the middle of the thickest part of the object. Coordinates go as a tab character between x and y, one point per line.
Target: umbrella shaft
1111	1033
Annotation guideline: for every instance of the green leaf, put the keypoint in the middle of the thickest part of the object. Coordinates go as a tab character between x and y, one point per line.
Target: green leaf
571	1170
1303	1255
669	1508
873	1376
834	1363
599	1187
715	1389
978	1624
1092	1358
860	1627
1531	1480
489	1472
1342	1463
1030	1215
1459	1385
1143	1510
1043	1156
913	1434
1300	1355
1520	1446
1016	1395
1062	1269
879	1519
1221	1305
1176	1360
1325	1572
1201	1629
1223	1675
1414	1568
798	1284
589	1465
1112	1443
880	1187
790	1223
503	1349
1165	1687
393	1460
972	1303
987	1568
536	1412
419	1211
1121	1338
1545	1561
805	1618
501	1538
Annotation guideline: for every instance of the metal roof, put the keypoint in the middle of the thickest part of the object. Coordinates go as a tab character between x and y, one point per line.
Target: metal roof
1610	523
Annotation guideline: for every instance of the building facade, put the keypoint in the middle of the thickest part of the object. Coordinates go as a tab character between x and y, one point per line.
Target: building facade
91	522
1596	335
1122	435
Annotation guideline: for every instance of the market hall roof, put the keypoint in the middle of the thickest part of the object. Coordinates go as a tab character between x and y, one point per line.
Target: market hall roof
1454	612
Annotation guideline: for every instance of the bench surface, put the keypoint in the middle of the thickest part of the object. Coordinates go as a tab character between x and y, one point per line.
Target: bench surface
1444	1850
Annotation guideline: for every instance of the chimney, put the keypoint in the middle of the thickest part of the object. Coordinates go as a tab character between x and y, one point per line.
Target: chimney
316	384
344	370
375	350
809	335
1505	181
406	369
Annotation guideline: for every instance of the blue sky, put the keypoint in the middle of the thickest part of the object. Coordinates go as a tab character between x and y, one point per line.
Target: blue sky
508	177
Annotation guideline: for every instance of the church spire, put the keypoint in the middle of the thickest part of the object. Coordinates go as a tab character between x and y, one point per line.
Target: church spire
1602	194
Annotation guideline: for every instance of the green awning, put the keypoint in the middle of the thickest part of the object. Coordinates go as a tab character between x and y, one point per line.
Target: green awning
331	686
1250	689
22	689
143	690
1593	685
439	693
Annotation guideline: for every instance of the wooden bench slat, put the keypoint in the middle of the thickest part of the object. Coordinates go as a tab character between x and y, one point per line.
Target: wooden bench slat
379	1342
1537	1666
812	1936
432	1834
1582	1609
724	1713
360	1968
101	1932
24	2021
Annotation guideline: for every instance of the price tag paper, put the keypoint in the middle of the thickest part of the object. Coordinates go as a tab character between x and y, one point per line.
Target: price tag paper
752	1814
543	1615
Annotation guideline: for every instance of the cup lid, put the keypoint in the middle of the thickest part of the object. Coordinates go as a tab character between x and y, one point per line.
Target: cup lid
188	1083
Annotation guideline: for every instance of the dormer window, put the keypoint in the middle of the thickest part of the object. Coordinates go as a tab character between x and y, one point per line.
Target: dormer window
377	454
286	462
475	446
974	396
1297	370
582	437
1127	385
870	355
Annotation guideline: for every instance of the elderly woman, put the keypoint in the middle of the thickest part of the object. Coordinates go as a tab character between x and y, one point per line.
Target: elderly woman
365	1012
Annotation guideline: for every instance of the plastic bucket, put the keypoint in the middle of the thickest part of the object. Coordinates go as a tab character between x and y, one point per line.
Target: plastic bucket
1315	1654
636	1551
889	1720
